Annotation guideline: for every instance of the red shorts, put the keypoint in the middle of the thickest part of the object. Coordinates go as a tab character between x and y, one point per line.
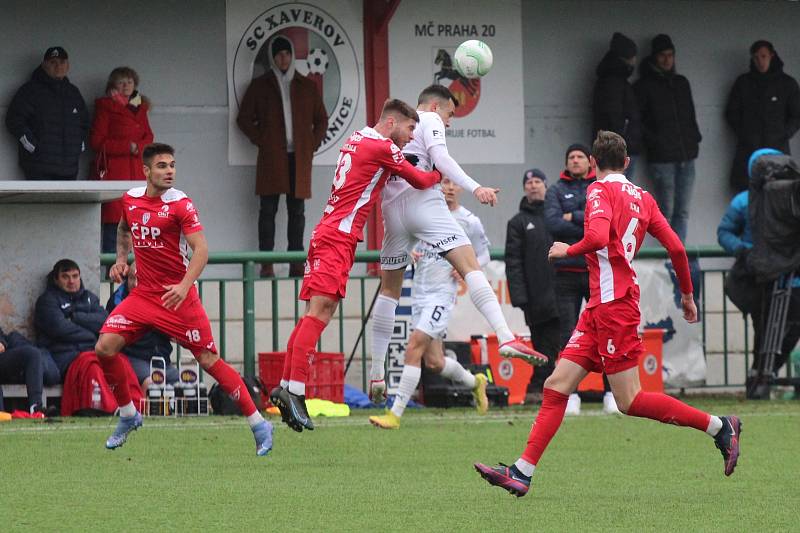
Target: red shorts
141	312
331	254
606	338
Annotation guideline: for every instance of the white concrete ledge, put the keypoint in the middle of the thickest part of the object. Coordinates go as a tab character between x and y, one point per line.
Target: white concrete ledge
63	192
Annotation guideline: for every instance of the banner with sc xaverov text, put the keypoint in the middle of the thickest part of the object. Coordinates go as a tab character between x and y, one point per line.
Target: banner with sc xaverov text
328	42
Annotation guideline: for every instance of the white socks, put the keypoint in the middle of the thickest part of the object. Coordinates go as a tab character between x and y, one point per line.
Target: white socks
255	419
297	388
127	410
485	300
525	467
285	382
382	329
457	373
409	380
714	425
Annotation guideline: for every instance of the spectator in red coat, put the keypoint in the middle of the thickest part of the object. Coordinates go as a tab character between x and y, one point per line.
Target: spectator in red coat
119	134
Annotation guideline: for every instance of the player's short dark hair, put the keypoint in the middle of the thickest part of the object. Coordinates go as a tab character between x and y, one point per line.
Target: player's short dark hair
63	265
436	91
399	107
154	149
609	150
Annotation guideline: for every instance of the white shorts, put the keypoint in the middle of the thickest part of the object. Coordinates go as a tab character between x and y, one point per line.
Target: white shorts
418	216
431	319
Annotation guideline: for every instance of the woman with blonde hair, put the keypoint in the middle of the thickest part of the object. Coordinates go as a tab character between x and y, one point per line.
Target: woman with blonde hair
120	132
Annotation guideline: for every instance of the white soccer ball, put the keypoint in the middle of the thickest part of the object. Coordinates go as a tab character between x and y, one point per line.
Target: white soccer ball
473	59
317	61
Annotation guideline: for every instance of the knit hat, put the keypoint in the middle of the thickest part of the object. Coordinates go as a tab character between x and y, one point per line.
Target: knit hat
533	173
623	46
660	43
55	51
577	146
279	44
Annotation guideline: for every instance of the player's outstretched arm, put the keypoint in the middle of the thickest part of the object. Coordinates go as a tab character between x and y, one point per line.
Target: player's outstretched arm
448	166
418	179
120	268
594	238
661	230
176	294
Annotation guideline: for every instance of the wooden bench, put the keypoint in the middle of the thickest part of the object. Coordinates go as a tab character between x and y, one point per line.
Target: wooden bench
21	391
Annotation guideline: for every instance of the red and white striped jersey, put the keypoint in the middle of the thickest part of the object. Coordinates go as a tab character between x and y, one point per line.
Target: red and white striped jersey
365	162
157	229
630	212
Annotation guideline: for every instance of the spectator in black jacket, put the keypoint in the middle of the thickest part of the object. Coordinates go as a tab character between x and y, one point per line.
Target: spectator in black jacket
614	105
49	120
763	109
564	208
530	275
22	362
670	131
151	344
68	317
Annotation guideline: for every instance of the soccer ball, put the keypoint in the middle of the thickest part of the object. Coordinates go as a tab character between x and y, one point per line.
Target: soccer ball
317	61
473	59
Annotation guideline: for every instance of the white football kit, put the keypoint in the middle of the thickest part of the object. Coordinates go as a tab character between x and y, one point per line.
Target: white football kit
434	291
411	215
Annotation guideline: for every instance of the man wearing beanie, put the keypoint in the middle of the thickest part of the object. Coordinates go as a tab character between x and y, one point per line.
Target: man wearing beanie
531	278
282	113
49	121
763	109
564	208
614	106
670	132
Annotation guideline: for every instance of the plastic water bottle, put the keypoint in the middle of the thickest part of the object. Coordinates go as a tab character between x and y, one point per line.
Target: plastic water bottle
97	402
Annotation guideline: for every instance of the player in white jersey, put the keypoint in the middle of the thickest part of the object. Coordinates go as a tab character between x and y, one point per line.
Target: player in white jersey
433	297
409	217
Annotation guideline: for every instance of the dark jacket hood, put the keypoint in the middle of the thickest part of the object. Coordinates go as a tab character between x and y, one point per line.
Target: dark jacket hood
566	176
536	207
612	66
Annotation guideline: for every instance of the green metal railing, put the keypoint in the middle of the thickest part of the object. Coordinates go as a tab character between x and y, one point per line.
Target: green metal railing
251	261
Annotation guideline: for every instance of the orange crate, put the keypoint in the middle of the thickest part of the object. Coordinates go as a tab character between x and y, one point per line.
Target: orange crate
325	377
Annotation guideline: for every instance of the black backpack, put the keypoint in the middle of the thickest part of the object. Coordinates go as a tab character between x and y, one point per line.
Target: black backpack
222	404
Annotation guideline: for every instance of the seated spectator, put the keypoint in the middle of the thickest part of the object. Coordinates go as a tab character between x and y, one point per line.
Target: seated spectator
68	317
735	236
22	362
151	344
49	121
531	277
120	132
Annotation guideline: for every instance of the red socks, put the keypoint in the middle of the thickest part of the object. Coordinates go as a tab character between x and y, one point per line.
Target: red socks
287	361
117	378
305	343
554	404
233	385
668	410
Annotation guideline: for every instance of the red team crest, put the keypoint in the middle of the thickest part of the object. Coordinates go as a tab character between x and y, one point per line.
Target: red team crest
466	91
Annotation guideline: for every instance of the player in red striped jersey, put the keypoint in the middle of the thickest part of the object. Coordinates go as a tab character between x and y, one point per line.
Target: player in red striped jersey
618	214
365	162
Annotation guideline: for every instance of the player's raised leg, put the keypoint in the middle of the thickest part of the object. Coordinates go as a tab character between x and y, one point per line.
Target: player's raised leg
633	401
382	320
516	478
451	369
107	349
466	264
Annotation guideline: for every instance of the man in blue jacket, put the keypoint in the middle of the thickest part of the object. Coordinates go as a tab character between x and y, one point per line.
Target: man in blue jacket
22	362
49	120
735	236
68	317
563	214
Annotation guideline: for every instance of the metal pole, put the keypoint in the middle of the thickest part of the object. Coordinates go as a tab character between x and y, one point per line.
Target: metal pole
249	318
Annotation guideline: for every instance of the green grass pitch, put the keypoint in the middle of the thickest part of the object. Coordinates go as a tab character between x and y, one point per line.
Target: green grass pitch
601	473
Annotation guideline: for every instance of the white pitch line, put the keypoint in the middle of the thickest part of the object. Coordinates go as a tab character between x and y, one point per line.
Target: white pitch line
343	422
